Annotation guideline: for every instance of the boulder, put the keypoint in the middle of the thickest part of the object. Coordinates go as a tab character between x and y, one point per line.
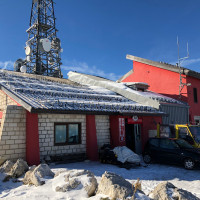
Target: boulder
67	181
19	168
6	167
35	175
114	186
167	190
73	184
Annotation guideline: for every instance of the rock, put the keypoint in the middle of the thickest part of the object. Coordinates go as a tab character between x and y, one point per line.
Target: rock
167	190
6	167
74	183
35	174
91	186
19	168
184	195
60	172
76	179
114	186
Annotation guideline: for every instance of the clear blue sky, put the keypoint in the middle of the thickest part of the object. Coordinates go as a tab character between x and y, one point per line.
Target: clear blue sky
96	35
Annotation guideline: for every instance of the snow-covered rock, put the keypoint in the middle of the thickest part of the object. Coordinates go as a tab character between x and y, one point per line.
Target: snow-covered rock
19	168
167	190
115	186
35	175
73	180
6	167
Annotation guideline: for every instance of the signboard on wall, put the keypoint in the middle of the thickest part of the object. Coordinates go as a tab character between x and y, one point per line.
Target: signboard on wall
121	129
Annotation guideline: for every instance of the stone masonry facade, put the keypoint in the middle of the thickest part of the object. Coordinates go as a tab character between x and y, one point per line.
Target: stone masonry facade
46	133
5	100
103	130
13	133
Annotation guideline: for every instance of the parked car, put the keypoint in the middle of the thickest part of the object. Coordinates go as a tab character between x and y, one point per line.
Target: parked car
171	151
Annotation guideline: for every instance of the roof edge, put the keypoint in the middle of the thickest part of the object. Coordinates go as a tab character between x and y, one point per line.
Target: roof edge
17	99
165	66
125	76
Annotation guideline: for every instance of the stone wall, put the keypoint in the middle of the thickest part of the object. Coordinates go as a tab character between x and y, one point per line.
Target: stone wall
5	100
13	133
103	129
46	134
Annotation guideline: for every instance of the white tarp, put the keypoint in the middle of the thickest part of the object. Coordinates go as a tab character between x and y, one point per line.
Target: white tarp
124	154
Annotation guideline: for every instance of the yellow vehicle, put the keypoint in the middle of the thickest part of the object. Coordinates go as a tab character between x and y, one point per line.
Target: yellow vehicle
190	133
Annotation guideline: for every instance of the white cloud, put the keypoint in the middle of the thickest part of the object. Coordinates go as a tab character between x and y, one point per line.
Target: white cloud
188	62
83	67
191	61
9	65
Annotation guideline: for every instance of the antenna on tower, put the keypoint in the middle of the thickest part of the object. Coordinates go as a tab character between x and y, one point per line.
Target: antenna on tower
180	60
43	47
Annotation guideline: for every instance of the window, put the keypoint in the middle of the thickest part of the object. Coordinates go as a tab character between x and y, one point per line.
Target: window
168	144
195	95
183	132
67	133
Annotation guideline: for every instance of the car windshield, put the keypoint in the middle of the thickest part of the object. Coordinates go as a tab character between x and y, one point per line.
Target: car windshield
183	144
195	130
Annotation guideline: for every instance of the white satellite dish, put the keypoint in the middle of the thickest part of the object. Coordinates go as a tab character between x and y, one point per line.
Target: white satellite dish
45	45
28	50
28	58
23	69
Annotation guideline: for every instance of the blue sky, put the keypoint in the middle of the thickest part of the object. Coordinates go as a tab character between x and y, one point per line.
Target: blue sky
96	35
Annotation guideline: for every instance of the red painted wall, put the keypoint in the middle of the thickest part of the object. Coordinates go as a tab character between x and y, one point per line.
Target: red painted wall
114	132
167	83
91	138
160	80
194	107
32	139
149	123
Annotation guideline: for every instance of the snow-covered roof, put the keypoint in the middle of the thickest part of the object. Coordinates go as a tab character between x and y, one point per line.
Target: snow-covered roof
46	94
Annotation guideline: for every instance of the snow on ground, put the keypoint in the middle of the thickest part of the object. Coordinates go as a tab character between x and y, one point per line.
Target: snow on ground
150	176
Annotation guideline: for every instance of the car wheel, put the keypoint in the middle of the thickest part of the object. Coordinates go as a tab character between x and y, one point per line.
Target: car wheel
147	158
189	163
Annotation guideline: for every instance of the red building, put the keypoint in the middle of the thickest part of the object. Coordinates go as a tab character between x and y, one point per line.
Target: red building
165	79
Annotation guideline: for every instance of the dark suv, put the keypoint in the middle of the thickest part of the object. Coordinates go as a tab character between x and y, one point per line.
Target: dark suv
171	151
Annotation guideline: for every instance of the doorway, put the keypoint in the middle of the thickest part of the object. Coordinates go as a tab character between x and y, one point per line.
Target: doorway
133	137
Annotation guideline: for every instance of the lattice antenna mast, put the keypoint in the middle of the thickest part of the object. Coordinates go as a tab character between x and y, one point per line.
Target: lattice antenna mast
43	48
180	60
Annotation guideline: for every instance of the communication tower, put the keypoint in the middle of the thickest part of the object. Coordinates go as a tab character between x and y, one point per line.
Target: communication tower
43	47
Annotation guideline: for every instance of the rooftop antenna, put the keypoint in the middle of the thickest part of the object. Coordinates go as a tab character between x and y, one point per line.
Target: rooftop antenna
43	47
180	60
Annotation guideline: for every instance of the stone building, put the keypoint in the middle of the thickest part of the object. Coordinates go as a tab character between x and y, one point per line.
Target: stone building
47	117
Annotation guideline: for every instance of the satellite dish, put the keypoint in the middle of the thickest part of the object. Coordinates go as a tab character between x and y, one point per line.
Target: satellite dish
23	69
18	64
45	45
28	50
28	58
